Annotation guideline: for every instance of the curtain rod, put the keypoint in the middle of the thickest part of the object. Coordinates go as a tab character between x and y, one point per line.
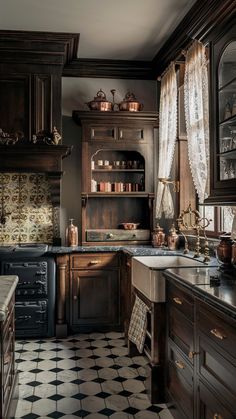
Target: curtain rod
175	62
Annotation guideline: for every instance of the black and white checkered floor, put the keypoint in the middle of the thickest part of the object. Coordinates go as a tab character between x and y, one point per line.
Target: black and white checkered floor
87	376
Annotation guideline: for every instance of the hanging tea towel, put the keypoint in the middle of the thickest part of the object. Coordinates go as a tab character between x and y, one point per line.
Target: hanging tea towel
138	324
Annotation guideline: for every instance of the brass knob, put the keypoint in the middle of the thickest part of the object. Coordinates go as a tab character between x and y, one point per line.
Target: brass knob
179	364
192	354
177	300
75	297
217	334
110	236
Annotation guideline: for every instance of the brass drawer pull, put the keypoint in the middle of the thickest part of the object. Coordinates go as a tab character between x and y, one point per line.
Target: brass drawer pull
94	262
177	300
217	416
217	334
192	354
179	364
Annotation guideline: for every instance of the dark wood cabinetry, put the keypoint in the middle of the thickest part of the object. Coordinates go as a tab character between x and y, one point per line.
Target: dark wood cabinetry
216	363
95	292
223	115
180	348
201	365
154	347
8	376
30	80
117	175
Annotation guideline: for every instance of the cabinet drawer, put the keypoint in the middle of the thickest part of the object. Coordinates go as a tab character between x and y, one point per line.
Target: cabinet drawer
216	370
219	330
210	406
94	261
181	300
181	332
112	235
180	382
131	133
102	133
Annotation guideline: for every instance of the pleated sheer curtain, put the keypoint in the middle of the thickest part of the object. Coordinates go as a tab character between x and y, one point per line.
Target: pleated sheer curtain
167	140
197	116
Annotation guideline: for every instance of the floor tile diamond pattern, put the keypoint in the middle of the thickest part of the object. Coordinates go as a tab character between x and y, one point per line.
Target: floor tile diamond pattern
83	376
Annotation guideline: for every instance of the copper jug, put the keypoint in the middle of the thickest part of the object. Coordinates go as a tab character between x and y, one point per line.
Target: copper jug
224	251
72	234
233	260
173	238
158	237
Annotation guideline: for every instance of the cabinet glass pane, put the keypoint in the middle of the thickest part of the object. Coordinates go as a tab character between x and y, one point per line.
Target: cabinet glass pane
227	66
227	113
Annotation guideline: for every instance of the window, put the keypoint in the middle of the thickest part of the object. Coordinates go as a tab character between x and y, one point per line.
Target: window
222	219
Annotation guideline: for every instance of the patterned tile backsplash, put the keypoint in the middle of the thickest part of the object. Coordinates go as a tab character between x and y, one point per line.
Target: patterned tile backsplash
25	199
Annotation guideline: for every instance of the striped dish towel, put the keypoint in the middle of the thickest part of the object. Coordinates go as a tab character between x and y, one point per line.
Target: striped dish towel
138	324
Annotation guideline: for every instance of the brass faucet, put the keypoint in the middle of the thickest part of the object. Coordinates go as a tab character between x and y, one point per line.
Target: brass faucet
190	219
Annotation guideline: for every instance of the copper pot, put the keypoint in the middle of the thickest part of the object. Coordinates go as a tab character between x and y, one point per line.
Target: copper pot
130	103
100	103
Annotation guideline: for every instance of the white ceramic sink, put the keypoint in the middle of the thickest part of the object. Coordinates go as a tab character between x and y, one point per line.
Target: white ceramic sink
147	273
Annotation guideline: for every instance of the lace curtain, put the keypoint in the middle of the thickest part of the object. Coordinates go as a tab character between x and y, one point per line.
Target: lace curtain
167	140
197	116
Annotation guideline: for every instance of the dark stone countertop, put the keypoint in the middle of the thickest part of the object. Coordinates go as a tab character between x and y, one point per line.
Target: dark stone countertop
8	285
212	285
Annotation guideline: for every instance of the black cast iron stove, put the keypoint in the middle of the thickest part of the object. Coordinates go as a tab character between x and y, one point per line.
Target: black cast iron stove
35	292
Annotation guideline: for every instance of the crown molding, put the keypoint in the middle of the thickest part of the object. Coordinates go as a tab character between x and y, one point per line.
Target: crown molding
113	69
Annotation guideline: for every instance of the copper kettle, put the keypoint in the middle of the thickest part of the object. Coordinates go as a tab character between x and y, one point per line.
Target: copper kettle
100	103
130	103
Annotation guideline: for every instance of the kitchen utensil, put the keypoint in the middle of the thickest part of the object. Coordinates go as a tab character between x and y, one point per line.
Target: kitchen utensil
100	103
130	103
130	226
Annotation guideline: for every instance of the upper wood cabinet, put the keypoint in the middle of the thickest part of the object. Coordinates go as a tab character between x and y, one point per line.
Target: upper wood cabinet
117	175
223	117
31	65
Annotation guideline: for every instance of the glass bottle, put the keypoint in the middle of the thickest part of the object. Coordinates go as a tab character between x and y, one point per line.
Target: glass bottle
72	234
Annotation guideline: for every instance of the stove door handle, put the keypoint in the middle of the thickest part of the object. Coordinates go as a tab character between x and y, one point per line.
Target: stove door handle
41	311
40	273
23	318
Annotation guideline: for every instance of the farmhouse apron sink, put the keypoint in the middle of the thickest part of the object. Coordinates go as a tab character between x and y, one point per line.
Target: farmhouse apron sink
147	273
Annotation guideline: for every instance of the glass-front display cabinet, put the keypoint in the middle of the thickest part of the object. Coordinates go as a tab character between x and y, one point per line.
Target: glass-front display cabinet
223	118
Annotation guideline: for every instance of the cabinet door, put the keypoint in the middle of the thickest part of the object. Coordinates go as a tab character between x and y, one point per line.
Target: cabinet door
210	407
95	299
223	118
180	382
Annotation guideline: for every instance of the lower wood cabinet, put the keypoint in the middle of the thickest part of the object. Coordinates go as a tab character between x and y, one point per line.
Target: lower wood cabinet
180	382
8	376
95	292
210	407
180	348
216	362
201	361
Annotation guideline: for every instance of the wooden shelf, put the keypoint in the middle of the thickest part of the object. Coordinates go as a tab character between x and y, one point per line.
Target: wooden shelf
230	154
117	194
117	170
